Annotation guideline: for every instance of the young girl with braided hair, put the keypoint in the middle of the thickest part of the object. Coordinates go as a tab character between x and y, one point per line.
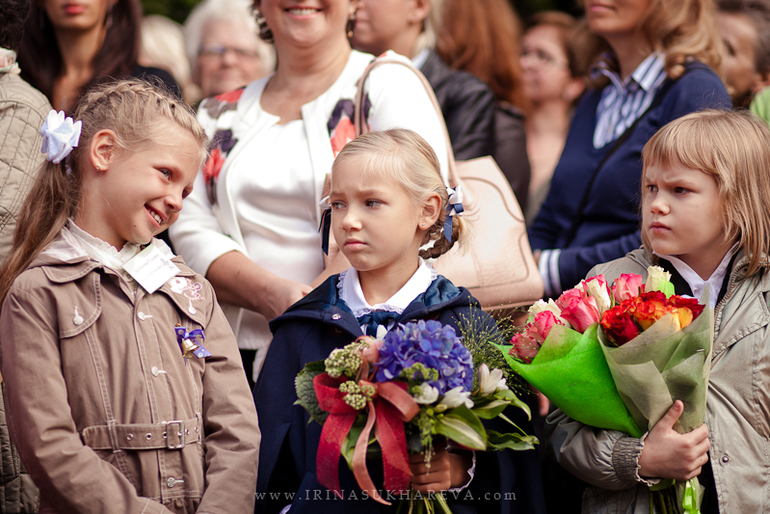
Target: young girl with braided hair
125	391
387	201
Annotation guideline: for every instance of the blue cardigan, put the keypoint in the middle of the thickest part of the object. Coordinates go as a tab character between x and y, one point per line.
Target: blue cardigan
610	223
308	331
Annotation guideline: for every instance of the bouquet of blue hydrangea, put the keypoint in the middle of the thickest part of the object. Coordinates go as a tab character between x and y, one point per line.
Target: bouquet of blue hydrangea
416	384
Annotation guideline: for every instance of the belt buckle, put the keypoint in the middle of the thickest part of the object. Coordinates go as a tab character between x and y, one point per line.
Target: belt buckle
180	433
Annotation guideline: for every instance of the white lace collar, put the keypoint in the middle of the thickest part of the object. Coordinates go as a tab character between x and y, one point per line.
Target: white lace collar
349	288
106	254
696	283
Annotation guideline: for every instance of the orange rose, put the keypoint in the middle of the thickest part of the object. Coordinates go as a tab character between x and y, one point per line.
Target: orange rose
651	308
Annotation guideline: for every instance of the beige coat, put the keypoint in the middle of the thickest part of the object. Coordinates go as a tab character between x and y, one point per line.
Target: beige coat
107	414
22	112
738	410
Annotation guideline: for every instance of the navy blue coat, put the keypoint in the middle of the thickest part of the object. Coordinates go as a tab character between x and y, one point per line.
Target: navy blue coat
610	219
505	482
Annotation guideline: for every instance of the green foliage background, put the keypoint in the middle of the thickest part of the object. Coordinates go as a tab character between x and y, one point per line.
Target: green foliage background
178	10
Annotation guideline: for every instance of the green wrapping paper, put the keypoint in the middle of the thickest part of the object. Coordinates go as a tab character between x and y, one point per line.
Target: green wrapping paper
571	370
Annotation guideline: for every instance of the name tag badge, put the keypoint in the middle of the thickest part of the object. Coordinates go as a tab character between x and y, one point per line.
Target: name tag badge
151	268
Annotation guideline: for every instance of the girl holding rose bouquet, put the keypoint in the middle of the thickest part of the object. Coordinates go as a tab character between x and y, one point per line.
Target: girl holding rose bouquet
705	185
387	200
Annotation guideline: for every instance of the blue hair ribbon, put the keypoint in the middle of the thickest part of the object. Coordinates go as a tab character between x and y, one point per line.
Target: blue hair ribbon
454	208
326	224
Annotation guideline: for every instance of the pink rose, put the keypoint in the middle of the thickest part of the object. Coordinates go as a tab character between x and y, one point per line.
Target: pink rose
568	296
372	351
626	286
524	347
598	289
539	328
581	313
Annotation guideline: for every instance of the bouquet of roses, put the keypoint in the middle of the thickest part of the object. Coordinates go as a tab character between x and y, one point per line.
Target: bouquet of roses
655	346
559	353
415	384
658	348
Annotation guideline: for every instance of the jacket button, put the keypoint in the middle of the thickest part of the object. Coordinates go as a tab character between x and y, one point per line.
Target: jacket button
129	437
171	482
725	459
335	317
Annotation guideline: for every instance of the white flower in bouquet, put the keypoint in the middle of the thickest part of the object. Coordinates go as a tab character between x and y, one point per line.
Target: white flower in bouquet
428	394
454	398
491	381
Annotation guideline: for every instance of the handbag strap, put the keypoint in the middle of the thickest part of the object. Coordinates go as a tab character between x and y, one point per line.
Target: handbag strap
360	124
577	220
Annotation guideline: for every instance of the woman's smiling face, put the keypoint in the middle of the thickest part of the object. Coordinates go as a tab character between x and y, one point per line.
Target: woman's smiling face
306	23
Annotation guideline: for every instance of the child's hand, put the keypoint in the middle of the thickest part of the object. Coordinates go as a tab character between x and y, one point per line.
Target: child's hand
446	470
669	454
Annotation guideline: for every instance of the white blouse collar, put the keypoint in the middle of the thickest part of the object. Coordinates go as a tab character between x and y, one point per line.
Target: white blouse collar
696	283
350	291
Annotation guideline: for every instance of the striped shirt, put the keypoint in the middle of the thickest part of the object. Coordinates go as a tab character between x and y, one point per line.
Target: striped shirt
623	102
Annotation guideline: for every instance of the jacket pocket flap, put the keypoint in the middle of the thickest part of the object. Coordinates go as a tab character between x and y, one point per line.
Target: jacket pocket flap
81	309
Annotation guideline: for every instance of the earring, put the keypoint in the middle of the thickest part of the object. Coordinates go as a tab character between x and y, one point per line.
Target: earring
98	168
265	34
350	27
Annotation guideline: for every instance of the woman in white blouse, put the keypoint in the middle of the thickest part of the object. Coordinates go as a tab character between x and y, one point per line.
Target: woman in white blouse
251	224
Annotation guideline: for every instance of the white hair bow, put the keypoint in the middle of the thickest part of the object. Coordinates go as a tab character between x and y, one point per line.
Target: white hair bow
60	136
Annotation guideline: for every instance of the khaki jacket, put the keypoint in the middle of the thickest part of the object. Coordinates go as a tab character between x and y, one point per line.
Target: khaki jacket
737	416
22	112
107	414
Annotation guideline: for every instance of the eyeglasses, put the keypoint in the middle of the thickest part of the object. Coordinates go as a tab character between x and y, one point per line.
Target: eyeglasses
220	50
538	56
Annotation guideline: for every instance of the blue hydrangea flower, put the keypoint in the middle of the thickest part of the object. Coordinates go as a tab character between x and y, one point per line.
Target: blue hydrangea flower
429	343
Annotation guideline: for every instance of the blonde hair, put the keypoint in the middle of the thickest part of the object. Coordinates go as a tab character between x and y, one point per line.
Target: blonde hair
734	148
131	110
406	158
162	46
682	29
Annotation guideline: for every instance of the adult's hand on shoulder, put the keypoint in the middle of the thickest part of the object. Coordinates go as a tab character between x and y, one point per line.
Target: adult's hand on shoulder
669	454
281	294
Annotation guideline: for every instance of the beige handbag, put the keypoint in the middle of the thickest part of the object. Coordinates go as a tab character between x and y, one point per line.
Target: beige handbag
495	261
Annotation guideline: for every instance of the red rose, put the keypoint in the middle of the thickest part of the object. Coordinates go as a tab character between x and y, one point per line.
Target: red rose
690	303
619	326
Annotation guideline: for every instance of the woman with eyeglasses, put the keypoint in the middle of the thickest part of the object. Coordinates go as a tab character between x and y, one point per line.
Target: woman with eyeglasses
69	45
223	47
551	81
652	62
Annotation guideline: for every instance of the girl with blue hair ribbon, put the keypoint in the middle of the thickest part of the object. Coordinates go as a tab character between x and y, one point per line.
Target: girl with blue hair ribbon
387	202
